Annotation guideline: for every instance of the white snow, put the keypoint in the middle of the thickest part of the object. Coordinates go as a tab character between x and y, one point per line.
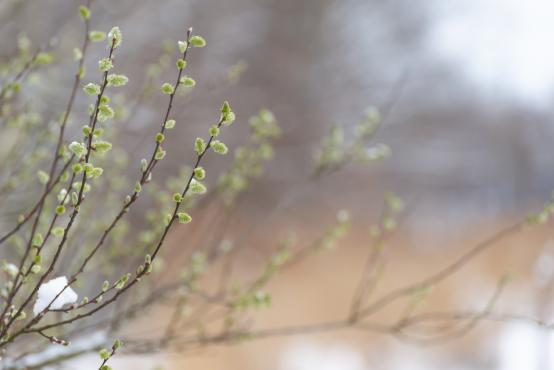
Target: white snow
48	291
305	355
501	45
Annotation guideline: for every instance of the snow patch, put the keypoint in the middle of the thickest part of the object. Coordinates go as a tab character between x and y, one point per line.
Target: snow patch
48	291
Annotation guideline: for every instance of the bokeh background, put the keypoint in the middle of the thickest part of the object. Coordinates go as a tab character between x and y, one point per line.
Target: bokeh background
470	86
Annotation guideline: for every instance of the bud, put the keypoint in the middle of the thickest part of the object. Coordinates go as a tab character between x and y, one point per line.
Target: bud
104	354
178	198
122	281
160	154
187	81
115	37
43	59
102	147
91	89
199	173
43	177
168	88
96	36
199	145
79	149
181	63
182	46
105	64
143	164
196	187
58	231
117	80
84	12
214	130
37	240
117	344
197	41
169	124
184	217
60	210
219	147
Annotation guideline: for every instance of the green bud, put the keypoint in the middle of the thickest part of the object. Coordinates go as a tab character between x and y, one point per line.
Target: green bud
74	198
117	344
187	81
177	198
122	281
86	130
225	108
160	154
102	147
170	123
219	147
115	37
77	168
105	64
60	210
160	137
167	218
79	149
227	118
143	164
199	145
138	187
196	187
104	354
84	12
91	89
197	41
58	231
182	46
77	186
105	285
105	112
117	80
168	88
184	218
181	64
199	173
38	259
43	58
62	195
96	36
77	54
35	269
214	130
43	177
96	172
37	240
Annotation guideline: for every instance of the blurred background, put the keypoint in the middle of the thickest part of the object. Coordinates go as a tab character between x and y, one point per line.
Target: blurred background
468	90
